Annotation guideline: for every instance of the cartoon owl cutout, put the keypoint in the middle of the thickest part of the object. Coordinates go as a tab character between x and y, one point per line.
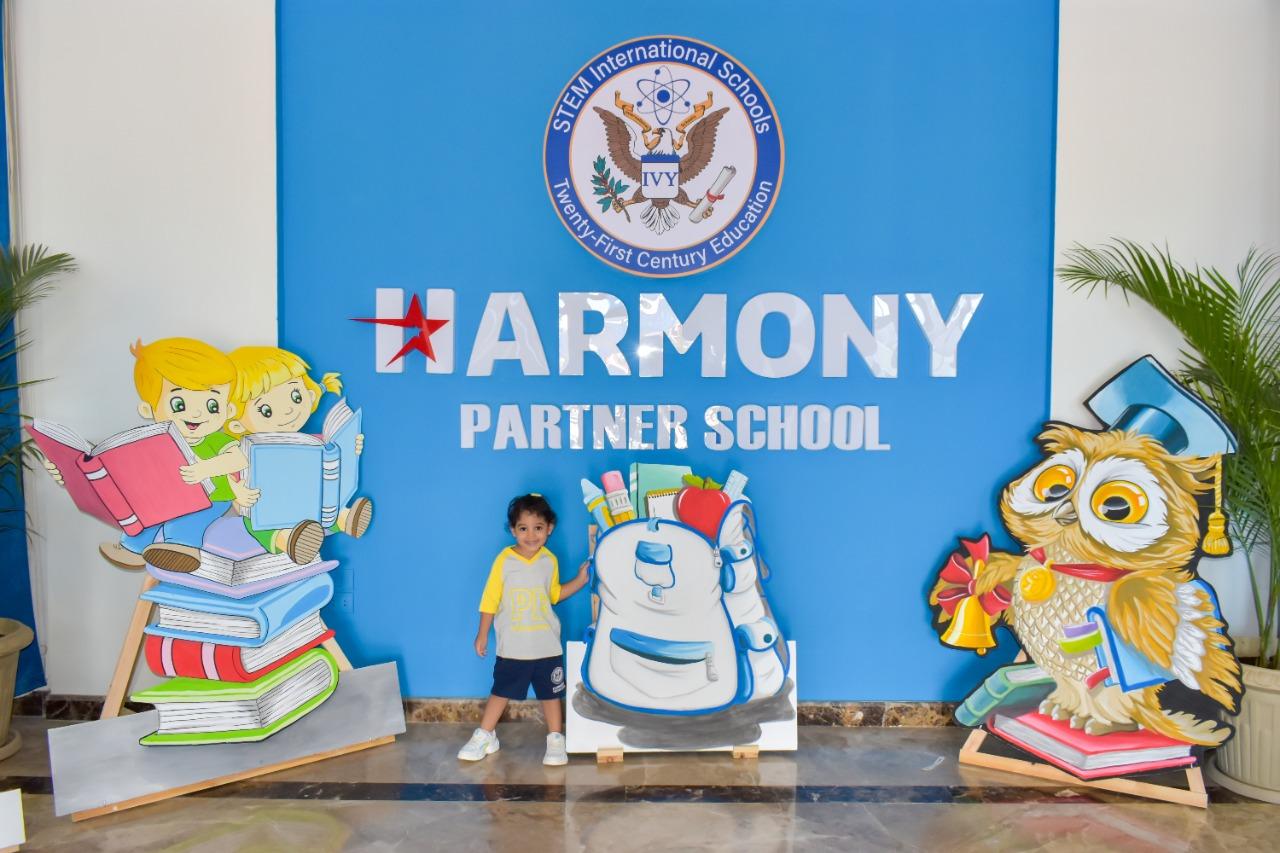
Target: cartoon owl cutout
1126	639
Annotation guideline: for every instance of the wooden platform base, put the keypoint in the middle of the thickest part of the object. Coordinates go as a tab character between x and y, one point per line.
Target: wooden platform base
1193	795
609	755
748	751
226	780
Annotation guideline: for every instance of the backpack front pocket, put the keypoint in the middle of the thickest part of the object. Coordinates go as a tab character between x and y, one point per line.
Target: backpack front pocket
661	669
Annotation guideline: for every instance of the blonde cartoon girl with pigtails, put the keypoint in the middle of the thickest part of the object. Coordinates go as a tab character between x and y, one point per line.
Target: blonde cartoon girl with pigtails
277	394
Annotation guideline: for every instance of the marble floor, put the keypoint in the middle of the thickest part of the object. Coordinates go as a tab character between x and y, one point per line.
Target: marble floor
845	789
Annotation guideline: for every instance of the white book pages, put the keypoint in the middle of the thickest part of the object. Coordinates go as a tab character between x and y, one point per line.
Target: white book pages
278	438
301	633
265	566
235	573
215	568
245	714
336	418
61	434
180	618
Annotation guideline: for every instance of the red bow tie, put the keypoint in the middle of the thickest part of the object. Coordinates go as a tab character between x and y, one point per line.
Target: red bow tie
1088	571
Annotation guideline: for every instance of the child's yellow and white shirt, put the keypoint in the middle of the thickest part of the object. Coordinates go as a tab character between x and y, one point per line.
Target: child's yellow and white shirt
520	592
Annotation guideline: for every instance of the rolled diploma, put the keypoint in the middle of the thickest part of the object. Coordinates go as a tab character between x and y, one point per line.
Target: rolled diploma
717	188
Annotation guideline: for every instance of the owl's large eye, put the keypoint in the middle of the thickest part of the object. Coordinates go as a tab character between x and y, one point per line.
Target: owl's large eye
1120	501
1054	483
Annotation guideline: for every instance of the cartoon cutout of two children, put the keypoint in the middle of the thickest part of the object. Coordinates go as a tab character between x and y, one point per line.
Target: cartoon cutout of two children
212	398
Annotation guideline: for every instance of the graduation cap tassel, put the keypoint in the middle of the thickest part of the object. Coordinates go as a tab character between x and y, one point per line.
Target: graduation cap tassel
1216	543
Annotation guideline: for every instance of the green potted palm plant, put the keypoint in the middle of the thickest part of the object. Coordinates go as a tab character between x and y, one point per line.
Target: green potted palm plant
1232	360
26	275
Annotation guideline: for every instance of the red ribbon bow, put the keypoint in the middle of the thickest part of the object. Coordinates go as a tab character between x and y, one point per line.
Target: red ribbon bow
963	568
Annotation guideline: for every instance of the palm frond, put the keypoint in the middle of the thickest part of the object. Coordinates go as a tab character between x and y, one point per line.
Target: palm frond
27	275
1232	361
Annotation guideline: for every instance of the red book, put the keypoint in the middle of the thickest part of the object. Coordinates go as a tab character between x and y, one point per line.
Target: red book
131	480
168	656
1091	756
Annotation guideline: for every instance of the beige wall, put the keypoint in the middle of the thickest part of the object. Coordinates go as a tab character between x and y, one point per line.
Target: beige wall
146	148
1168	133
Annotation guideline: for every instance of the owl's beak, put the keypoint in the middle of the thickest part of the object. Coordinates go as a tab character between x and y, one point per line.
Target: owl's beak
1066	514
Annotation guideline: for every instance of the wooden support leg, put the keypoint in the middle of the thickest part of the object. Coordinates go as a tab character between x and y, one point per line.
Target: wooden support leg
332	647
1195	782
128	654
609	755
226	780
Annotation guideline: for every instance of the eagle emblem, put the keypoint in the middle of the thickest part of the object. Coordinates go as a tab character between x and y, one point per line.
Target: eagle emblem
659	159
663	156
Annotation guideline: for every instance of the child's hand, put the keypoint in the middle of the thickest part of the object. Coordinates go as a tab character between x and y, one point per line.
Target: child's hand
245	497
193	473
359	444
53	470
482	644
582	571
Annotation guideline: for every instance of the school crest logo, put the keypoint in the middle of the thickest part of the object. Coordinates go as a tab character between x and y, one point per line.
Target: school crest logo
663	156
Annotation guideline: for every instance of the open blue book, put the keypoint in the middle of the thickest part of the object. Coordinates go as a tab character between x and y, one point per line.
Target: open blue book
304	477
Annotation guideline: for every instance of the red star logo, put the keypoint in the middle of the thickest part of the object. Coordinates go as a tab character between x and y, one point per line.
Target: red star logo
414	319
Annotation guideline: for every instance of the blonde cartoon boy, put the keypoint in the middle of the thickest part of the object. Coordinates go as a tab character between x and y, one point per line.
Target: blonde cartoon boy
189	383
277	394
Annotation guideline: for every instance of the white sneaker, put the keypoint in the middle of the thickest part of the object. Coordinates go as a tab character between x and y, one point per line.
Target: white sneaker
482	743
556	754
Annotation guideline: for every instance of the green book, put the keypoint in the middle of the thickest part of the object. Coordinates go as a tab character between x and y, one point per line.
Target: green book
199	711
1021	685
647	477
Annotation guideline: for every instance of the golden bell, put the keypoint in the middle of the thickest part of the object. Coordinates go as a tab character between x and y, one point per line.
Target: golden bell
970	627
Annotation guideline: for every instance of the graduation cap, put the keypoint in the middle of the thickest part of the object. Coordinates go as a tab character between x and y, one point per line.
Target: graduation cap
1146	399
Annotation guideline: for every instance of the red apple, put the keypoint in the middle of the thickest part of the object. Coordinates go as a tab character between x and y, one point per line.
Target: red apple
702	505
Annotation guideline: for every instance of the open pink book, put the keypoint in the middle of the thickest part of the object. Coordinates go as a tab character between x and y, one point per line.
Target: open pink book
1091	756
131	480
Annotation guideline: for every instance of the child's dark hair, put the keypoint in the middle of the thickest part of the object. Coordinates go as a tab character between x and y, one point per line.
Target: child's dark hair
532	503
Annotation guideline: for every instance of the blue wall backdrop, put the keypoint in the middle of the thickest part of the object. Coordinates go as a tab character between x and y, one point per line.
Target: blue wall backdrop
919	158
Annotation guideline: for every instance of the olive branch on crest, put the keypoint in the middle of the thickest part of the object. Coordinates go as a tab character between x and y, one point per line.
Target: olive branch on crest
609	189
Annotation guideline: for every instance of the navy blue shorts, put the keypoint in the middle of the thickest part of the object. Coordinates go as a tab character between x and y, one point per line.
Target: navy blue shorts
512	678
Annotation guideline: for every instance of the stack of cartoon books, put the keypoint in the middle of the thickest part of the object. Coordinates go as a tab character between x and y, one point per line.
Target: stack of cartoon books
240	638
1006	704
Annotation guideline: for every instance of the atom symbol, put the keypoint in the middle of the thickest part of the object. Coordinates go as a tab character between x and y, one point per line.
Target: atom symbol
663	96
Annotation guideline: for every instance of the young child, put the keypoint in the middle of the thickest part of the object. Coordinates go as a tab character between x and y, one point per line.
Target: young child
523	584
276	394
189	383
